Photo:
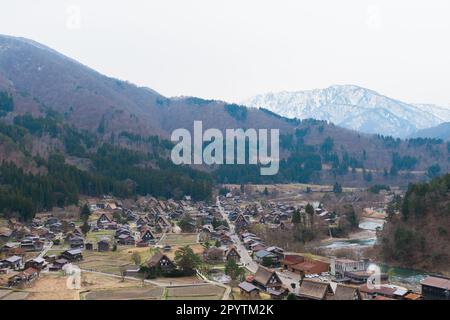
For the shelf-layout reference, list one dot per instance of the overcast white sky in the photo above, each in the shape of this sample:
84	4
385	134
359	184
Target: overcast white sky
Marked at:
233	49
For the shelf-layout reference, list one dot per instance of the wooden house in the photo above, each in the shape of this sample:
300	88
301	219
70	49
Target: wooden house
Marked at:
344	292
161	262
13	262
25	277
104	219
232	254
103	245
248	290
313	290
147	236
267	278
435	288
58	264
37	263
126	240
72	255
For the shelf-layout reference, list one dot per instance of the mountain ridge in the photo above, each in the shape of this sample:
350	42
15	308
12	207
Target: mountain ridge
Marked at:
42	83
352	107
441	131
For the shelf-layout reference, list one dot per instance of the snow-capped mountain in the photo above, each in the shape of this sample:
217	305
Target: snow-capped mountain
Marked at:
355	108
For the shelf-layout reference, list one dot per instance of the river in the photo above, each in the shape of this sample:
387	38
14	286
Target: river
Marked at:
409	278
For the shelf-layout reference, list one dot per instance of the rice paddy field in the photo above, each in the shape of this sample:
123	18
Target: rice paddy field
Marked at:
143	293
201	292
113	261
179	239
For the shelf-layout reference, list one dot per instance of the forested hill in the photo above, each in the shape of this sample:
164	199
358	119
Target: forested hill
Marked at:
111	134
47	163
419	235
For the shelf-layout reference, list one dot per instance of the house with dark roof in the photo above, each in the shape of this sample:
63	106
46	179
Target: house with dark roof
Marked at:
248	290
13	262
267	278
435	288
126	240
76	242
106	221
161	262
37	263
58	264
31	244
142	221
103	245
241	222
72	255
147	236
232	254
225	240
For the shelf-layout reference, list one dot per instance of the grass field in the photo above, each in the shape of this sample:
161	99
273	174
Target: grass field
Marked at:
202	292
197	248
52	286
179	239
112	261
236	294
138	293
94	237
15	296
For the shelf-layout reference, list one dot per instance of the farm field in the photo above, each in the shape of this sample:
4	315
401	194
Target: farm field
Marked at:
197	248
142	293
94	237
180	239
179	281
112	261
54	286
202	292
236	293
13	295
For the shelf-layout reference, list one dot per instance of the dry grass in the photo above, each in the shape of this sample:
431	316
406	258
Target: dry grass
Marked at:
16	296
203	292
94	237
179	239
54	286
197	248
236	294
146	293
112	261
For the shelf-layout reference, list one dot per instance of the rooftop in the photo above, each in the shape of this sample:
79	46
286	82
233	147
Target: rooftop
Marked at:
442	283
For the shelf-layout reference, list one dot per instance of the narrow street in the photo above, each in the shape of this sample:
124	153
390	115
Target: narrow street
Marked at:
246	259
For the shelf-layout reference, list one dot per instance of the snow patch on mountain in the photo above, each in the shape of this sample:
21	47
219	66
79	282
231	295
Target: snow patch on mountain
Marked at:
355	108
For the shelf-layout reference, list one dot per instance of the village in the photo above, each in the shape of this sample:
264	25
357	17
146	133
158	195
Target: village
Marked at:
152	249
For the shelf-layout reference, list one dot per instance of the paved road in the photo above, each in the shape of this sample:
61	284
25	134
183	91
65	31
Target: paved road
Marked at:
246	259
